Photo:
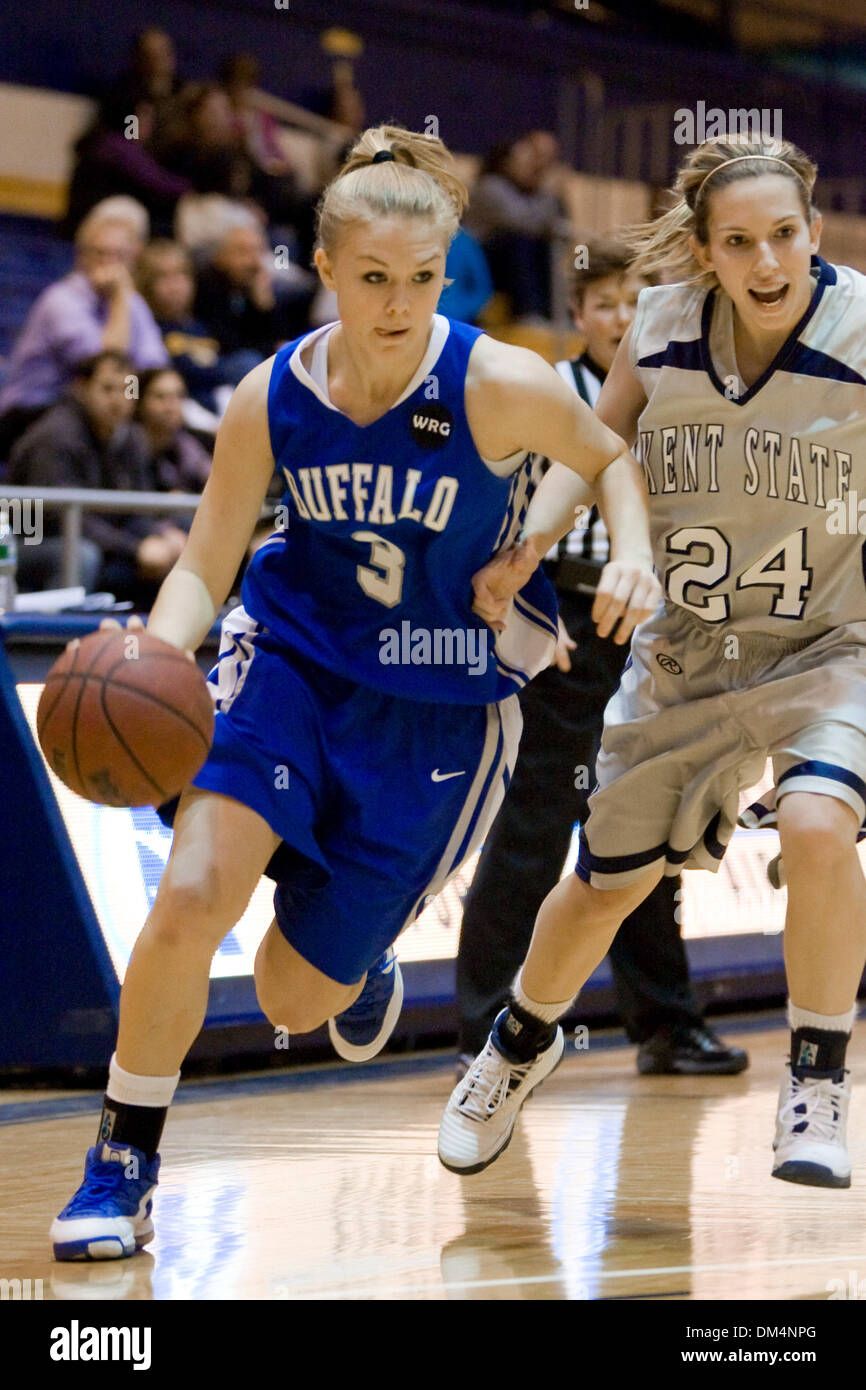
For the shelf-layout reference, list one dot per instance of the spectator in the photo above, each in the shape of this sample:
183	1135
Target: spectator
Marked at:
151	75
346	106
167	281
93	308
87	440
471	286
199	142
179	461
120	207
203	219
341	101
238	303
516	220
273	182
113	157
258	130
545	149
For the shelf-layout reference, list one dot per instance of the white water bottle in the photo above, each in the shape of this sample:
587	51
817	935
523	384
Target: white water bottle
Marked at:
8	561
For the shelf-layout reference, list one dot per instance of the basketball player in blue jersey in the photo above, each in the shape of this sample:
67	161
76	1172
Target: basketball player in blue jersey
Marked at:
746	385
367	719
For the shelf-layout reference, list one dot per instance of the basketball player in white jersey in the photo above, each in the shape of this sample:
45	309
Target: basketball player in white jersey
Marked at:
562	710
746	385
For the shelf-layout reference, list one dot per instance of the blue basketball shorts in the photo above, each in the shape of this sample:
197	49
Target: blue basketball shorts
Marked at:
378	800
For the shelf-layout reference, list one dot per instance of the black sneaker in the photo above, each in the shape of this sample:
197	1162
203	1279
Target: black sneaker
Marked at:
683	1049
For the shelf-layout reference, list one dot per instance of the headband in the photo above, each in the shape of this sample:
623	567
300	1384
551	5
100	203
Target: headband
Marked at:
774	159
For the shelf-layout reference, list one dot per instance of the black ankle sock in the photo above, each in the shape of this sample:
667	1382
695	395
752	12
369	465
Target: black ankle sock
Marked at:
138	1125
818	1053
519	1035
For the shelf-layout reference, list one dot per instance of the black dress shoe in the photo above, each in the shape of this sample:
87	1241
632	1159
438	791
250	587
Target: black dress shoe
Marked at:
683	1049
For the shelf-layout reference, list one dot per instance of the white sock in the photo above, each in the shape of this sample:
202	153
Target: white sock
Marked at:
830	1023
548	1013
128	1089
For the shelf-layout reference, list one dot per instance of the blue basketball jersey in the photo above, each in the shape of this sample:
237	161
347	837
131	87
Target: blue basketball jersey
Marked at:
387	525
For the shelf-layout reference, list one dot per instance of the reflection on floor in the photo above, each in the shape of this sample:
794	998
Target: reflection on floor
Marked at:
314	1186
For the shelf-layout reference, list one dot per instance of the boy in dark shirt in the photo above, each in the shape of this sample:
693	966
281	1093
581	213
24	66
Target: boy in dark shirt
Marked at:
88	440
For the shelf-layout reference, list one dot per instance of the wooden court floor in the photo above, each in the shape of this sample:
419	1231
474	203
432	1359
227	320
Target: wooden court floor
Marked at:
319	1185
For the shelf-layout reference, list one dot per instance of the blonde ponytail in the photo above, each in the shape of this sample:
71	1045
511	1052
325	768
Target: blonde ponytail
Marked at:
420	180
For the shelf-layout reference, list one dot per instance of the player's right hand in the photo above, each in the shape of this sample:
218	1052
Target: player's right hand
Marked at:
627	594
495	585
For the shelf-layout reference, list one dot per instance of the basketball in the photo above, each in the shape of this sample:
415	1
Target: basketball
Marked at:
125	719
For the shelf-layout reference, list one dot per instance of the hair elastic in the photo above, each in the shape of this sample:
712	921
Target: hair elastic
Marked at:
381	156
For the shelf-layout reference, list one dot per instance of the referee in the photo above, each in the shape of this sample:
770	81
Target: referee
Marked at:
524	854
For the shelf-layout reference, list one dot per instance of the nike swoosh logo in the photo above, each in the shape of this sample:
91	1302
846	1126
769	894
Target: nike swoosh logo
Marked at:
437	776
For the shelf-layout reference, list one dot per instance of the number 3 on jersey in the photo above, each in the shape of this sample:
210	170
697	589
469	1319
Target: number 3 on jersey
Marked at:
782	568
382	579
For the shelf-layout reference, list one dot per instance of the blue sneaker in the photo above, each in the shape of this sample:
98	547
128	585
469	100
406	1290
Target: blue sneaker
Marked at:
109	1216
363	1029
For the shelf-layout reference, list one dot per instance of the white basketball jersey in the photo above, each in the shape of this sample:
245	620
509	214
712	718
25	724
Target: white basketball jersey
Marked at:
754	492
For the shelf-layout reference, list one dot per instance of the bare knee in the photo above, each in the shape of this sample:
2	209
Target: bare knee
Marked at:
284	1009
194	905
817	833
604	905
287	1003
291	992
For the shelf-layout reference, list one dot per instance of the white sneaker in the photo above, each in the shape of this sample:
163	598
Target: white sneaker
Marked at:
810	1132
481	1114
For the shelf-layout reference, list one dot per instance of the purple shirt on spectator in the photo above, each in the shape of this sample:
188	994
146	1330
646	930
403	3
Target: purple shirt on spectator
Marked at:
65	325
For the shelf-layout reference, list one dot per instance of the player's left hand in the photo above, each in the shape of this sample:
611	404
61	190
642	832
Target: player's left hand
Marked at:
500	579
627	594
133	624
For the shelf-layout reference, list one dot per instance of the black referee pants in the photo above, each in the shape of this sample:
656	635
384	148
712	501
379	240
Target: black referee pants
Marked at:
524	854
